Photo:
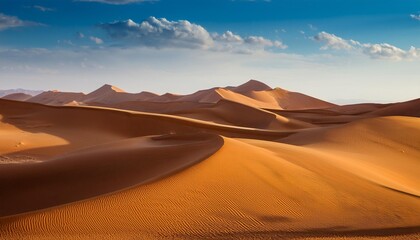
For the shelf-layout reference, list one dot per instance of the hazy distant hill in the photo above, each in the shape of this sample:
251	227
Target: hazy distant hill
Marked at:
19	90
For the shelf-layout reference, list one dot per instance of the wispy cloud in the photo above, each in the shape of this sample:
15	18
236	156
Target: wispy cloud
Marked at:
117	2
162	33
373	50
96	40
80	35
7	21
332	41
260	42
415	17
43	9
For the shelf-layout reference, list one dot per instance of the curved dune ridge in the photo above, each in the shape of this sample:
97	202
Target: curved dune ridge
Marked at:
223	112
252	93
99	170
132	168
245	190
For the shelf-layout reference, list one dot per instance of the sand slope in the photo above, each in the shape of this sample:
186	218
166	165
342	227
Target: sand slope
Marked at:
209	170
56	98
222	112
252	93
249	189
99	170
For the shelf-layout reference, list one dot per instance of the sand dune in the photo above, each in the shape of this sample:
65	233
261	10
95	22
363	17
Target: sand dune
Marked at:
249	189
56	98
283	99
99	170
108	94
246	162
387	139
251	85
222	112
345	114
252	93
409	108
226	112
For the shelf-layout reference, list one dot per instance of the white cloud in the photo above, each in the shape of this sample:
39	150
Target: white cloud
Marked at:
252	41
117	2
161	33
375	51
332	41
312	27
96	40
416	17
228	36
65	42
162	70
43	9
387	51
260	41
12	22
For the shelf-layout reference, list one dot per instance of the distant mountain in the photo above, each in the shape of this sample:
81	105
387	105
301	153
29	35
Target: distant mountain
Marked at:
19	90
252	93
57	98
251	85
109	94
17	97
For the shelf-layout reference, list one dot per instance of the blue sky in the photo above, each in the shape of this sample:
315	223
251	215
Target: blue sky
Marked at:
344	51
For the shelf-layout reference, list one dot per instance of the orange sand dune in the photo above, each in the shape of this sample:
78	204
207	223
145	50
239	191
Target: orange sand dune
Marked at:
251	85
237	114
409	108
240	167
348	113
98	170
256	94
249	189
222	112
392	141
360	108
156	107
56	98
283	99
252	93
108	94
74	120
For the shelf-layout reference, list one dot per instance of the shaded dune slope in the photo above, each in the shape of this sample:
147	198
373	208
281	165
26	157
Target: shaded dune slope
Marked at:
383	150
56	98
99	170
222	112
249	189
118	123
252	93
86	172
348	113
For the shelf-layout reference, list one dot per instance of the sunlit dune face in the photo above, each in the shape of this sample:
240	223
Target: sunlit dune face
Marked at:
15	141
244	162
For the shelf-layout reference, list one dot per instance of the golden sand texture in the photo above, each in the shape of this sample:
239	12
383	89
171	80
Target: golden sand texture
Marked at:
225	170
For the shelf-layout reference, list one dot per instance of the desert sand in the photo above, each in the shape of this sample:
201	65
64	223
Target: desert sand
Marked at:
245	162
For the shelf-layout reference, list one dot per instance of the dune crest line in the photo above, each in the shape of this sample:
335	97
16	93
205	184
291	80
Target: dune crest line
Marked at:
100	170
